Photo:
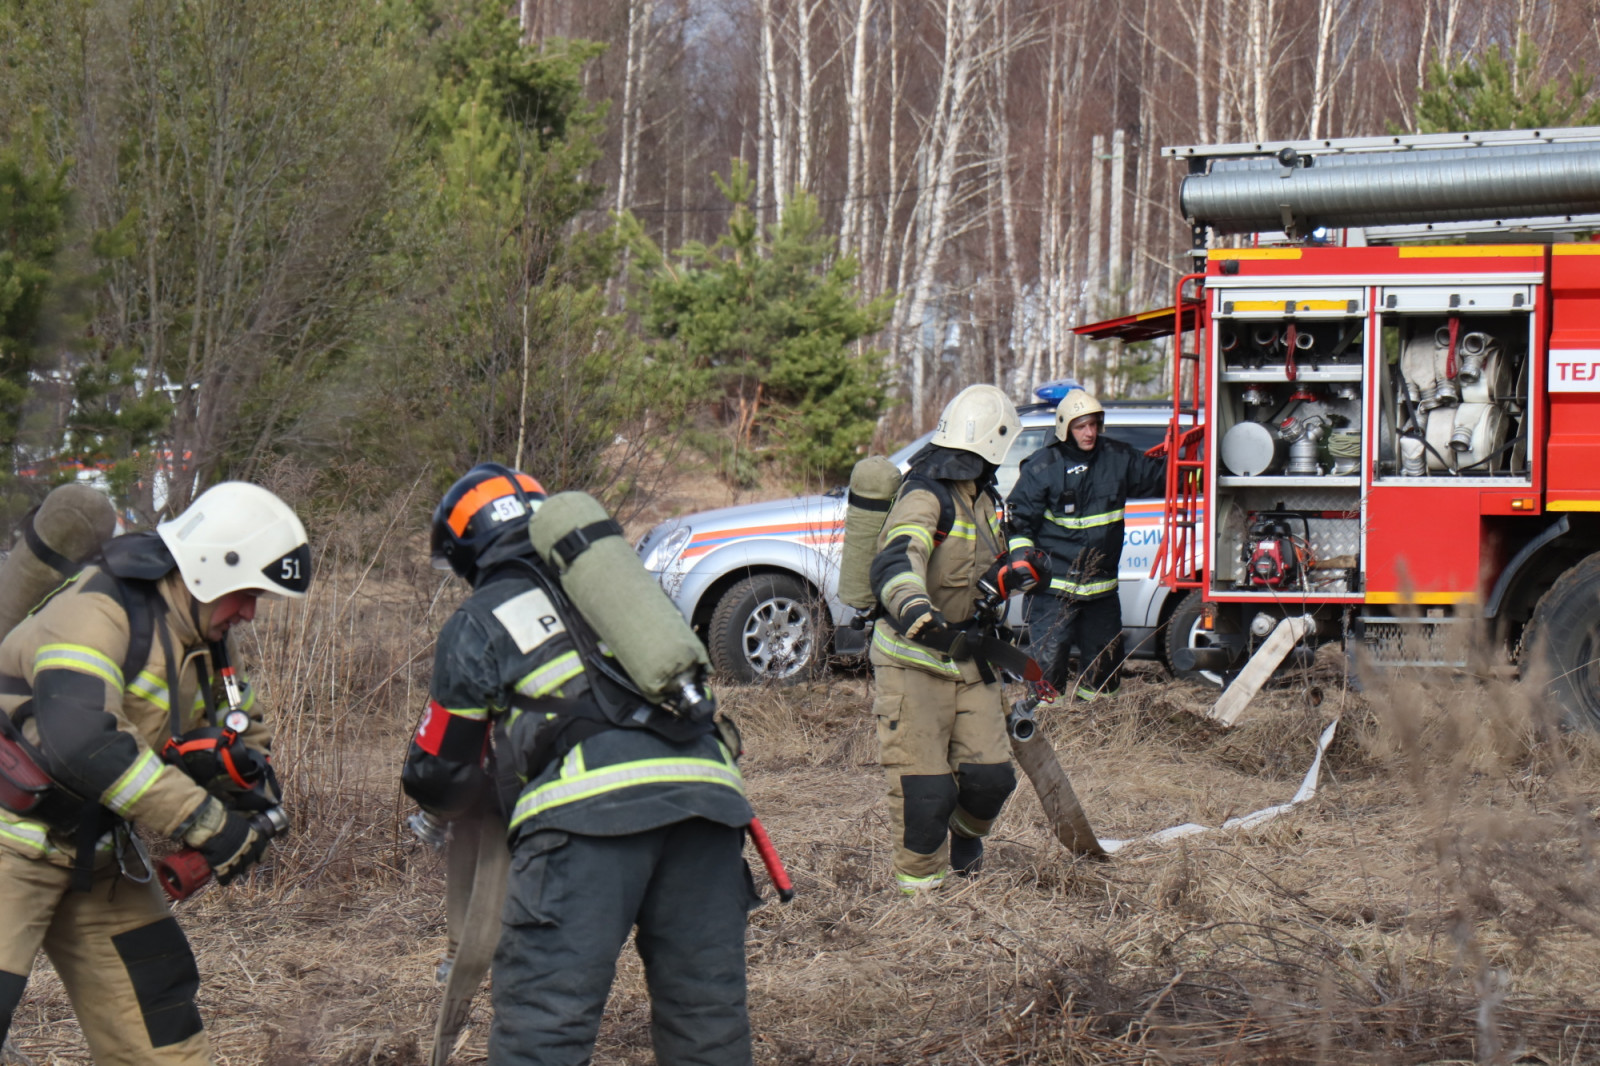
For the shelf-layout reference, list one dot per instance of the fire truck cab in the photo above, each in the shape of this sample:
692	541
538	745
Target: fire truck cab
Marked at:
1400	431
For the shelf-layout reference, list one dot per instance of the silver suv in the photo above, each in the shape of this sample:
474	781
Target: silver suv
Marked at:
754	580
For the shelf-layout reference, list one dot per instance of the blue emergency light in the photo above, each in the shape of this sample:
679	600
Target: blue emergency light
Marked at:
1053	392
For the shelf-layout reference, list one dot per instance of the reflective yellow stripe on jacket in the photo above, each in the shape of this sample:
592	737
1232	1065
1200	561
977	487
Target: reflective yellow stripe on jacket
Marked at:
575	782
904	651
127	789
551	676
33	838
1088	521
1090	588
78	657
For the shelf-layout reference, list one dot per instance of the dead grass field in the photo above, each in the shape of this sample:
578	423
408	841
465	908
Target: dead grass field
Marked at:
1438	901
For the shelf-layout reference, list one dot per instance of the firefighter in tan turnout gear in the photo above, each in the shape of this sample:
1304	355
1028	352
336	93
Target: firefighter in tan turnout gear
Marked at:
110	689
941	717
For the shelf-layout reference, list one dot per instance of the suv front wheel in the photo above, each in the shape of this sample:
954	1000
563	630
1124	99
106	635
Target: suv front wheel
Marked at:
769	627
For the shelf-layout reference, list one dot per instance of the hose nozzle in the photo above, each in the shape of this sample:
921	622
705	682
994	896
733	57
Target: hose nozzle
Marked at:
431	830
1021	723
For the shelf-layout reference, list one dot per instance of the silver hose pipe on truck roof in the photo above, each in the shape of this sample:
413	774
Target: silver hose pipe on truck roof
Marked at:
1457	185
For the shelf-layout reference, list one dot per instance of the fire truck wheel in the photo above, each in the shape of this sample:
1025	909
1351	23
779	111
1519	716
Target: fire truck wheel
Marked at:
1564	638
1184	631
769	627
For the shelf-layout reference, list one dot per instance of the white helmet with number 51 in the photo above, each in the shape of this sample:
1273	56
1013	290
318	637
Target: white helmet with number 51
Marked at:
238	536
981	419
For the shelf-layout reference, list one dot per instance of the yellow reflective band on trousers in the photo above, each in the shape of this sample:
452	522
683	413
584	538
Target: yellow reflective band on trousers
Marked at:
133	783
83	659
551	676
912	885
1092	588
898	648
1088	521
910	529
583	784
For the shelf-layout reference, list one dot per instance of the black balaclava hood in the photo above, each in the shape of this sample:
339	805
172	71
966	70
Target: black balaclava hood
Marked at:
953	464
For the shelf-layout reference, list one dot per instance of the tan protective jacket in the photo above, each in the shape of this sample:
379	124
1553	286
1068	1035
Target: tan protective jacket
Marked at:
946	571
101	732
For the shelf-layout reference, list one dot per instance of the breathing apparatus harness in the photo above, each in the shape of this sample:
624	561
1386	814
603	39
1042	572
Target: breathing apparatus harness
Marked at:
614	701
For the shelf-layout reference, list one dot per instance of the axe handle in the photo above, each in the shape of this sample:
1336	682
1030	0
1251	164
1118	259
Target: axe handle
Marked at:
770	859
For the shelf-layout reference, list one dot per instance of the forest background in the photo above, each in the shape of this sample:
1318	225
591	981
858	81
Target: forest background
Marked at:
374	243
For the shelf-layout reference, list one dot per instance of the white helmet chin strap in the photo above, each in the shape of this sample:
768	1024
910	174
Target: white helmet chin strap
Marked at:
239	536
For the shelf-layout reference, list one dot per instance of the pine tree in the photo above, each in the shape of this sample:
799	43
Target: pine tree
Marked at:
770	322
1497	93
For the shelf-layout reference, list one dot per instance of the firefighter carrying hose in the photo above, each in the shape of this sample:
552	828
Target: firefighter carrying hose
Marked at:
940	712
1068	500
624	811
108	693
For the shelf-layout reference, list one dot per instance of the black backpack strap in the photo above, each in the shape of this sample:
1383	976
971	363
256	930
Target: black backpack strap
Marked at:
941	492
136	599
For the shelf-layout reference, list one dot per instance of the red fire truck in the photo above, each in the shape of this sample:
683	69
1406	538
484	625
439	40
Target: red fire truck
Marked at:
1400	392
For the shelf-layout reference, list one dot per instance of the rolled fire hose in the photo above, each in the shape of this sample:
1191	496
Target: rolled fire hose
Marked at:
478	864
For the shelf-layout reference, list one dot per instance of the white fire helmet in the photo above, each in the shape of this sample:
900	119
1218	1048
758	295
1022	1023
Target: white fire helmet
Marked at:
1075	404
980	419
239	536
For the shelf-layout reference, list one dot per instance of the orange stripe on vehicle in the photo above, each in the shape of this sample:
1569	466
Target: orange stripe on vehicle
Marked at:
492	489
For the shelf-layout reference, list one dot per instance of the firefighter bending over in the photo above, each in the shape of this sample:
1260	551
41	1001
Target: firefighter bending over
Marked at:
941	716
1068	500
622	814
108	688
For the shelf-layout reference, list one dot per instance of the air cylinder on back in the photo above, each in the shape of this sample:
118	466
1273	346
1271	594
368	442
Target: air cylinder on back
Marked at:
616	595
873	483
68	527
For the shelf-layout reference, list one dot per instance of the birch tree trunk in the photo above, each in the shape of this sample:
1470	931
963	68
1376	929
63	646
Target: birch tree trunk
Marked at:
941	147
857	154
639	16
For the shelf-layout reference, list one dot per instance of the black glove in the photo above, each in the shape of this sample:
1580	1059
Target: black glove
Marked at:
921	621
234	848
1022	570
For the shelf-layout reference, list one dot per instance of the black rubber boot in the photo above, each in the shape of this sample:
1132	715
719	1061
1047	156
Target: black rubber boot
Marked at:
966	854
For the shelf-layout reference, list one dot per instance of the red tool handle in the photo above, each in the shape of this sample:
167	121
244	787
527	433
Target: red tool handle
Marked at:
769	859
182	874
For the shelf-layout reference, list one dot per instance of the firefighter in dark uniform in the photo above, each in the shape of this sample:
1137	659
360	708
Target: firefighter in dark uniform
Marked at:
614	825
941	715
104	730
1069	500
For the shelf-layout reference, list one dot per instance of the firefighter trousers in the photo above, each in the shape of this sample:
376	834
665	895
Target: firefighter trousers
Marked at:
125	963
1057	624
571	902
944	750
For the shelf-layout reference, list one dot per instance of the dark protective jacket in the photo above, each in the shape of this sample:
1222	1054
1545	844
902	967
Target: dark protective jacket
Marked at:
510	662
101	732
1069	502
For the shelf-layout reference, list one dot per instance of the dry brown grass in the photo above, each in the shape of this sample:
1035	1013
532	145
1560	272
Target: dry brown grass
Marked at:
1438	901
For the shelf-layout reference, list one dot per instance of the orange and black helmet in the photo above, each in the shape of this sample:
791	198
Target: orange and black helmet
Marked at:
487	509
